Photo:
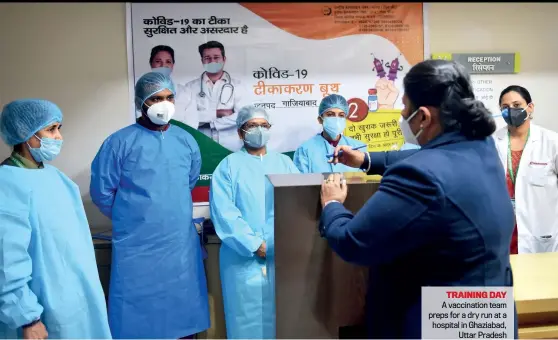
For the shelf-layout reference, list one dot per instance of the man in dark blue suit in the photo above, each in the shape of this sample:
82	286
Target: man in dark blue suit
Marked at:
442	214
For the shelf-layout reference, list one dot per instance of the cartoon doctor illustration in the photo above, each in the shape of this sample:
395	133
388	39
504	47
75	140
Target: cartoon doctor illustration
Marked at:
212	100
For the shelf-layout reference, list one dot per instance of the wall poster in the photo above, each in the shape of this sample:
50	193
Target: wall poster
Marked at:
284	57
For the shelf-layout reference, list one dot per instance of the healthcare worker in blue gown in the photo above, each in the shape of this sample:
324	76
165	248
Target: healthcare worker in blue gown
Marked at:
442	214
311	156
142	179
49	283
242	215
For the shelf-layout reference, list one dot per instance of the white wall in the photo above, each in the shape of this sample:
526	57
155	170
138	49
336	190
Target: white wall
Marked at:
75	55
527	28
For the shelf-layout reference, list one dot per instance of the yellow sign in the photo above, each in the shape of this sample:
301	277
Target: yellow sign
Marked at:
379	130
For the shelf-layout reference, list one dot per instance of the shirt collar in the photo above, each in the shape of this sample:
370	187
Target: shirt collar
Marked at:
534	133
26	163
334	143
209	82
243	149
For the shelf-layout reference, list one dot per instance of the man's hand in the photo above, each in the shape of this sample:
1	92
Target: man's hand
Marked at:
224	113
349	157
261	250
36	332
334	188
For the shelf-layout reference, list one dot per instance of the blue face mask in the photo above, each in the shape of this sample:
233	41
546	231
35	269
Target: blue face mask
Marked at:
50	148
163	70
256	137
334	126
213	67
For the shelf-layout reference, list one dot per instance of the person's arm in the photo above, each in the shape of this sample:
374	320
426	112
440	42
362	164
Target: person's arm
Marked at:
227	219
270	201
377	162
19	306
195	166
225	123
105	176
388	224
300	159
228	122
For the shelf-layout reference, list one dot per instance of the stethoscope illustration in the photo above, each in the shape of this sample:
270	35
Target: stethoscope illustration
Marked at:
227	85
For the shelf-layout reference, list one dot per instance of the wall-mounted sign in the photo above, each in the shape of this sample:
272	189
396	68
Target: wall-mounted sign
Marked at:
484	63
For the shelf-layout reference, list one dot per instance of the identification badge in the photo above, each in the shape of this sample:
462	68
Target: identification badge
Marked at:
264	271
513	205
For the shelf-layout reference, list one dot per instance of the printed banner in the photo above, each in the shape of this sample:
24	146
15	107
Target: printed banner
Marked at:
284	57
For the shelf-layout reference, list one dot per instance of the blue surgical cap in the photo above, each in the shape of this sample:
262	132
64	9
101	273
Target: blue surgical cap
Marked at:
251	112
333	101
151	83
23	118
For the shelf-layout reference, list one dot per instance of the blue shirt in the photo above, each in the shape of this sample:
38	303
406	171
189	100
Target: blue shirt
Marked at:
311	156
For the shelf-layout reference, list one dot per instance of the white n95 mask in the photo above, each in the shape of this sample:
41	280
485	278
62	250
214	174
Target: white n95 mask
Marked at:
161	113
408	134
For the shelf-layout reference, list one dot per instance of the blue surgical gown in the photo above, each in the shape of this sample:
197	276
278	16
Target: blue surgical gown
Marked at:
47	260
311	156
243	220
143	179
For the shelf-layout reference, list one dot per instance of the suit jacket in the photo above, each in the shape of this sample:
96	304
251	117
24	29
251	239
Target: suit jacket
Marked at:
442	217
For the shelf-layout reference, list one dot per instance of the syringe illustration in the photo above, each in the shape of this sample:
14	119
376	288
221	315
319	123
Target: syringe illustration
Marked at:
378	67
394	67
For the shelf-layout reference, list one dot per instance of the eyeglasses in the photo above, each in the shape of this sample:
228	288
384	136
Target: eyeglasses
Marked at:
253	126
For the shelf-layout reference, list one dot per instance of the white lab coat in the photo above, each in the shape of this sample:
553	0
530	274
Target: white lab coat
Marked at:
193	109
536	189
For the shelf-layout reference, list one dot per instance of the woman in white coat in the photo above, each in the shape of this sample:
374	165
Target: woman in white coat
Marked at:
529	155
